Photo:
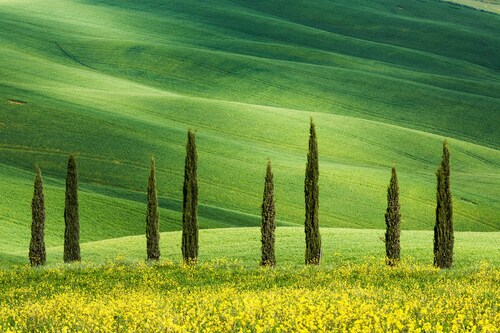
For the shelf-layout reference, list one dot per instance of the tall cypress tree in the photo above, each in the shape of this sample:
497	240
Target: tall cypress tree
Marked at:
268	220
72	230
152	217
392	221
443	230
190	204
311	191
37	245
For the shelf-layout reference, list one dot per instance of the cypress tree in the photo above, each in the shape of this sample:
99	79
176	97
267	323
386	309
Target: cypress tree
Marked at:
72	224
190	204
392	221
443	230
152	217
311	191
268	220
37	245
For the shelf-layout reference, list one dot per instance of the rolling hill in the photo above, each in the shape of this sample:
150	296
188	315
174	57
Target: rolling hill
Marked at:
117	81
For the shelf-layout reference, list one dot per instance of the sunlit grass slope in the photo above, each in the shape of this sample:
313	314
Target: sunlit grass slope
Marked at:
487	5
118	81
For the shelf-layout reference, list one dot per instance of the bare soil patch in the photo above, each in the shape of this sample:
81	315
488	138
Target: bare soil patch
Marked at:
17	102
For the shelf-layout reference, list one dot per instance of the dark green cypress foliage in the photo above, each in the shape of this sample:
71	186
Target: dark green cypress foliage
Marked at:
72	230
392	221
443	230
37	245
190	204
152	217
311	191
268	220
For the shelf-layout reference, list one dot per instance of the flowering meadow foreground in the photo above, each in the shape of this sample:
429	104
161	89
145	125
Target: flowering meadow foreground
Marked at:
227	296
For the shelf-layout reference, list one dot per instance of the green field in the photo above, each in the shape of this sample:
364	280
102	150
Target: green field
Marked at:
118	81
339	246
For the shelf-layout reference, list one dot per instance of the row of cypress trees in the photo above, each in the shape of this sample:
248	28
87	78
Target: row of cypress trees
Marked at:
189	208
37	253
443	230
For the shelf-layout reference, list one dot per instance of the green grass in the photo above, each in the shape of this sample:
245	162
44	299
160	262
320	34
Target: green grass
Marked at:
339	246
118	81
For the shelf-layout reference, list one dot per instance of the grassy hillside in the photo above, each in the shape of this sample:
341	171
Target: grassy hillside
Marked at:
118	81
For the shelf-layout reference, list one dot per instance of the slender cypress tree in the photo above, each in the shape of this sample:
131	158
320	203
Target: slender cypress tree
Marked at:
152	217
190	204
311	191
268	220
72	230
443	230
392	221
37	245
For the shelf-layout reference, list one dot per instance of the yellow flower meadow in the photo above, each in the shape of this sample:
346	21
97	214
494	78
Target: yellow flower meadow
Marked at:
228	297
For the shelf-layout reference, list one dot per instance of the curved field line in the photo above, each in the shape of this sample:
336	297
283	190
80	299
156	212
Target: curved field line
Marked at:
66	53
